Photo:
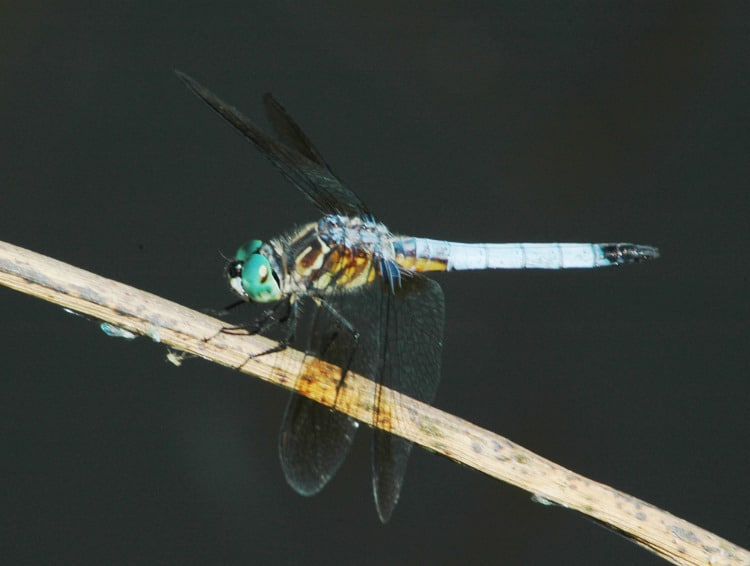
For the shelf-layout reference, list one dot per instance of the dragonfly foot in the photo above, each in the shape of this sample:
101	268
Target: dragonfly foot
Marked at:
240	330
281	346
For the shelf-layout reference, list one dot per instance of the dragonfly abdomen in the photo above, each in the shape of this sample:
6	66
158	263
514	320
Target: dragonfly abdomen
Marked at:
423	254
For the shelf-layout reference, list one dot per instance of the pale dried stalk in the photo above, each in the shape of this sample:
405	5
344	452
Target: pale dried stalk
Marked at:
183	329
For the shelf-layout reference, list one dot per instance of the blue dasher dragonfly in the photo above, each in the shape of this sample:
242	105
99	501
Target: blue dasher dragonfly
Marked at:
368	308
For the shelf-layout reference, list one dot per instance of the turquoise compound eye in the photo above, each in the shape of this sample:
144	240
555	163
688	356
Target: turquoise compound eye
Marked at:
258	280
248	249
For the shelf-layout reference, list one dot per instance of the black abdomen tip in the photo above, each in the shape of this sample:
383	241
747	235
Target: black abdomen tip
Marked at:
619	254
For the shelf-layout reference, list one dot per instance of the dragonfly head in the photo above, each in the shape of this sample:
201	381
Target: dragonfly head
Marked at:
251	275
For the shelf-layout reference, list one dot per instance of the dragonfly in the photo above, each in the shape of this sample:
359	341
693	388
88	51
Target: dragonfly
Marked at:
368	307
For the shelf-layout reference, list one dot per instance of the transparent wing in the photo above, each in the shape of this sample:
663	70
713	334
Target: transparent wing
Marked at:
411	341
289	132
313	443
315	440
400	346
301	163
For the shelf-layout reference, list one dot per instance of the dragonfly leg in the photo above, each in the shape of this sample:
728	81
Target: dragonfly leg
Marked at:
268	321
270	318
291	332
224	311
349	328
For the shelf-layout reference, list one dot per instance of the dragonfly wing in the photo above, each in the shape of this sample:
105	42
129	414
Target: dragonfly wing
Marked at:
289	132
313	443
412	320
301	164
400	345
314	439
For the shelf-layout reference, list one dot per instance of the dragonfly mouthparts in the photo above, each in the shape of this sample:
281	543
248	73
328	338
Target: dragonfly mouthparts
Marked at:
619	254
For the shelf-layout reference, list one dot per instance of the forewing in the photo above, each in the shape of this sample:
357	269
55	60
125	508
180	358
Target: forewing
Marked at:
301	163
314	439
289	132
313	443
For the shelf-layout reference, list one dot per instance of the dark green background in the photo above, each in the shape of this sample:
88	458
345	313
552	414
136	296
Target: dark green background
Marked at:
625	121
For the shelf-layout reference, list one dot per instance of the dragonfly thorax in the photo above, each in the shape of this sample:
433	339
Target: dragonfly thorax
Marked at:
335	255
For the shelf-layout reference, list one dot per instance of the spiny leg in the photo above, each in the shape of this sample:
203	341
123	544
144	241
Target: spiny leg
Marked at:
223	312
349	328
282	312
265	321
